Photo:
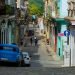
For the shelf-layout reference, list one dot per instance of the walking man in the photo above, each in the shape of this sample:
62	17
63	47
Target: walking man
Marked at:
36	40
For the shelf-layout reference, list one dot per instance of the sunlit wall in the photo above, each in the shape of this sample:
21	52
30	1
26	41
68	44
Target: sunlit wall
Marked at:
63	6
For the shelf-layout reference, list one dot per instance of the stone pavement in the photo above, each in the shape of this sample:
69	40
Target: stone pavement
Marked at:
41	57
57	58
36	71
50	50
52	53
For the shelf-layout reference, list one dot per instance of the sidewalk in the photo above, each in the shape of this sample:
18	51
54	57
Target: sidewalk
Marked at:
50	50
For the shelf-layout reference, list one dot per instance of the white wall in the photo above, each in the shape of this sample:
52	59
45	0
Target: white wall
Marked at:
18	3
40	23
72	45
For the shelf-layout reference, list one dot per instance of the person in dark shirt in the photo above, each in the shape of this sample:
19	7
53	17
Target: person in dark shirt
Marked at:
31	40
36	40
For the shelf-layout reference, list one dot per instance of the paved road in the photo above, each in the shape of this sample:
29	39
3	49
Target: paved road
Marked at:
40	56
36	71
42	63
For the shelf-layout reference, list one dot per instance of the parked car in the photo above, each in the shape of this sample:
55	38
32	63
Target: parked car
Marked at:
10	53
14	43
26	58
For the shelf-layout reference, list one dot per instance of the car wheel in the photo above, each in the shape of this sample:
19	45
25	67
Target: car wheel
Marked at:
22	63
19	64
28	65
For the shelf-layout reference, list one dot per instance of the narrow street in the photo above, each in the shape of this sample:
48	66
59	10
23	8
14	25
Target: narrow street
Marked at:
37	37
41	57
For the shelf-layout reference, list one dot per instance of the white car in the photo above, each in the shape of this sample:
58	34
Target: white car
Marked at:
26	58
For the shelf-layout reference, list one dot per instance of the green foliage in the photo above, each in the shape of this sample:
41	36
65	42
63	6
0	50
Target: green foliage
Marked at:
36	7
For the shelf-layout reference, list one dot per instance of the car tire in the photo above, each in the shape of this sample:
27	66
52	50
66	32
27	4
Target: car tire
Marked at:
28	65
19	64
22	63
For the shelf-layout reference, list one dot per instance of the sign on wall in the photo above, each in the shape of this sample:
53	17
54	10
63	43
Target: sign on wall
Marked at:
60	34
67	33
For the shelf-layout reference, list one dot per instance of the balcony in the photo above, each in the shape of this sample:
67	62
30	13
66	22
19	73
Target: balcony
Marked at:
7	10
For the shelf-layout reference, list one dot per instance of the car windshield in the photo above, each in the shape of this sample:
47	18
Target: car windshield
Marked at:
25	54
7	48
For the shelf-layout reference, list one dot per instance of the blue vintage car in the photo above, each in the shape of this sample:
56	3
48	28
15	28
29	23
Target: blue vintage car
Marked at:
10	53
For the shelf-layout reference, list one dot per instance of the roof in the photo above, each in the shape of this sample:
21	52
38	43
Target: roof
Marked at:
25	52
9	45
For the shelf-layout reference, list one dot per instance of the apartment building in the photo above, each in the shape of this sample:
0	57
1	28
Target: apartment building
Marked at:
7	21
71	18
71	8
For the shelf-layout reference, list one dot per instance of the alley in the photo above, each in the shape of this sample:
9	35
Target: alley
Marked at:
37	37
40	56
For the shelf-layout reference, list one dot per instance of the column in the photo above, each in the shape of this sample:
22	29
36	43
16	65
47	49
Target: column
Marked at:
3	36
9	34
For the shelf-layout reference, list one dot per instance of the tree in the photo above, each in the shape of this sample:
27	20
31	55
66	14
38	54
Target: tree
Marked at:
36	7
33	9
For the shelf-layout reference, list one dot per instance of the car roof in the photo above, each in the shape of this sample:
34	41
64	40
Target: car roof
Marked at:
25	52
9	45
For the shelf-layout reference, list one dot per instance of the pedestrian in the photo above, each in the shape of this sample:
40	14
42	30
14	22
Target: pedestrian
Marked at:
31	40
36	40
21	43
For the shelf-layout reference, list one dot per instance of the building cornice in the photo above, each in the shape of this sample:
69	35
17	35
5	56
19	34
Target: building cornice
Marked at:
70	18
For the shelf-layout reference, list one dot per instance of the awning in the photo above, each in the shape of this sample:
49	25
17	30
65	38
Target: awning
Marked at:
60	21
